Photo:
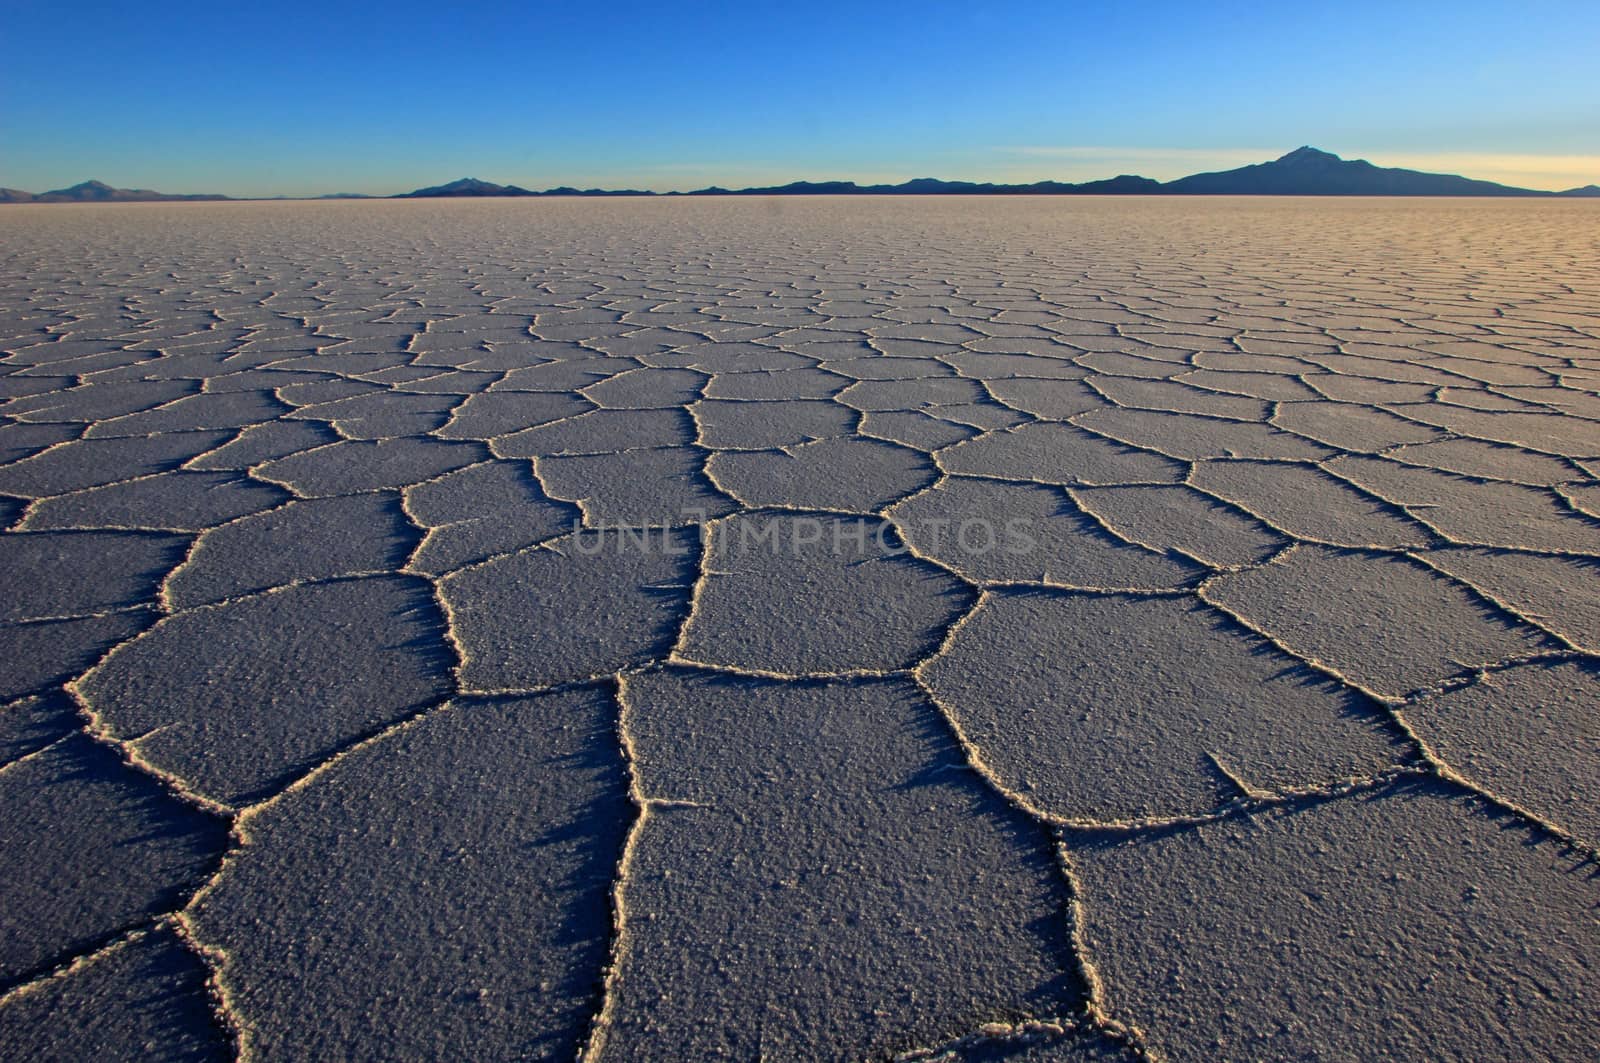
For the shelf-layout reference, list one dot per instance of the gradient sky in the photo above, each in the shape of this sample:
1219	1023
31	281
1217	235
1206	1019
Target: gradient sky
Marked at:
301	98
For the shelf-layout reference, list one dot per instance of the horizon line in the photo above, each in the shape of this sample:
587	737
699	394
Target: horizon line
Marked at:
1532	172
1224	160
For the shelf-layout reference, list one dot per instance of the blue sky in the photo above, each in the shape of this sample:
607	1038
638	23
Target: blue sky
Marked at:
301	98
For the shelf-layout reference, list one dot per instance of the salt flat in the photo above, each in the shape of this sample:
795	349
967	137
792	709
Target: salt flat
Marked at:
801	629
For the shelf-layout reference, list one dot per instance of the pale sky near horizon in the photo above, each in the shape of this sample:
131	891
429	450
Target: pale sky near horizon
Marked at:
301	98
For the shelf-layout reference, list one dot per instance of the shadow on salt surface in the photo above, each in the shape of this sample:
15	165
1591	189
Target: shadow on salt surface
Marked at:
1394	923
93	848
446	888
826	874
239	699
137	997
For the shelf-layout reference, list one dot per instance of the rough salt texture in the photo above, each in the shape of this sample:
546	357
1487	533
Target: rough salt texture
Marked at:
483	928
1409	926
971	629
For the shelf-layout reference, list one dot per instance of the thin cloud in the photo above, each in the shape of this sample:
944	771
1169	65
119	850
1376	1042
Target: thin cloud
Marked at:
1551	172
1099	152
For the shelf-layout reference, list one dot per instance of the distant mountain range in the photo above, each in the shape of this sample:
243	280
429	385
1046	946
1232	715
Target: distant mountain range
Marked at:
471	186
98	192
1125	185
1303	172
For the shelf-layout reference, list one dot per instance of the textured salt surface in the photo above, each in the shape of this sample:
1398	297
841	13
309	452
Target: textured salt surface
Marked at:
965	630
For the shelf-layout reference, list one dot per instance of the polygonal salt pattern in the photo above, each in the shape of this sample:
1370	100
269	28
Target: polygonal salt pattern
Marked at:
982	630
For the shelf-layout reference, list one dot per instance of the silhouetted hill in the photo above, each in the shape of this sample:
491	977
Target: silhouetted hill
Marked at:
1586	190
100	192
933	186
466	186
1309	172
15	195
1124	185
567	190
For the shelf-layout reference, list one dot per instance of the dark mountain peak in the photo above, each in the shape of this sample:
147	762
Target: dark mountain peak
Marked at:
465	186
1126	184
100	192
1307	155
1308	171
86	190
1585	191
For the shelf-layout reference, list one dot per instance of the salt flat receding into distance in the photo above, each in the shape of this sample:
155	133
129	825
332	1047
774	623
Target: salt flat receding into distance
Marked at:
803	629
